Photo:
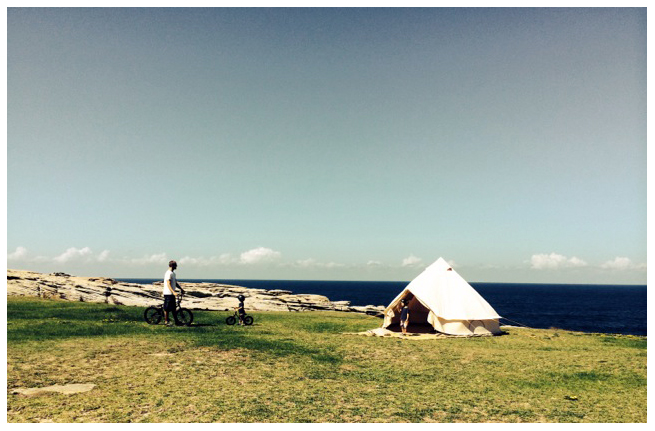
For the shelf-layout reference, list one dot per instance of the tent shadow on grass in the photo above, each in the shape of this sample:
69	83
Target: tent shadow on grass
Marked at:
413	328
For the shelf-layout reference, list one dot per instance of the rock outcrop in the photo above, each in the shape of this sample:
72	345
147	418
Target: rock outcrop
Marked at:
199	296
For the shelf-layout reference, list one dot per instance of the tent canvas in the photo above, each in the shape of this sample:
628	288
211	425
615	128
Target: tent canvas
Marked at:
440	297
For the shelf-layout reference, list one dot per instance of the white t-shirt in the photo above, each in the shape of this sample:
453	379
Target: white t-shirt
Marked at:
170	275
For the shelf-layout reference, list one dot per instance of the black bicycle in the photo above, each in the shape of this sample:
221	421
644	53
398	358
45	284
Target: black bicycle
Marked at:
182	316
231	320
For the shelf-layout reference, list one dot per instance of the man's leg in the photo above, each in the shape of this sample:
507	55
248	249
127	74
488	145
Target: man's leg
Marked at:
165	316
177	322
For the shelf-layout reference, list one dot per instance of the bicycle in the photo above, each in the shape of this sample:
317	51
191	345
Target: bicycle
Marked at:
183	316
231	320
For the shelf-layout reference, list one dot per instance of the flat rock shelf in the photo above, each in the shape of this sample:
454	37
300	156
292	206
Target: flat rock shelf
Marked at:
199	296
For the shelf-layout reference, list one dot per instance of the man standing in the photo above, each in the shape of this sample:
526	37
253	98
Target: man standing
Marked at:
170	294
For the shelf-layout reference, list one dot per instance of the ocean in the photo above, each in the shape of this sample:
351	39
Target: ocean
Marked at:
615	309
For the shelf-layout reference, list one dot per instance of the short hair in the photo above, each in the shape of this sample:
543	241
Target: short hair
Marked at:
171	263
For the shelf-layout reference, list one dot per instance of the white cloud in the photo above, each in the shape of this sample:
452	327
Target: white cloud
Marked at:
373	263
223	259
555	261
412	261
306	263
73	254
622	264
20	253
158	259
313	263
104	256
547	261
193	261
259	255
576	262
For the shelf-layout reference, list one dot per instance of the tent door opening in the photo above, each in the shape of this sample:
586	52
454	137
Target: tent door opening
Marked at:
418	317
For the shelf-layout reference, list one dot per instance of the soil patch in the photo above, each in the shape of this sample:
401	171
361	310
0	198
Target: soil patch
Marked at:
74	388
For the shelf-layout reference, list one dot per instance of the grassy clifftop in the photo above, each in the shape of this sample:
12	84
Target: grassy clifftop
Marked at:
299	367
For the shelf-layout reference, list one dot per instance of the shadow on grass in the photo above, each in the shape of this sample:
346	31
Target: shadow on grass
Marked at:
229	340
635	343
40	309
579	380
42	320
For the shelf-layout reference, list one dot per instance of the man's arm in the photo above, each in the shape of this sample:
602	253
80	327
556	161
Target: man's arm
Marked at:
171	287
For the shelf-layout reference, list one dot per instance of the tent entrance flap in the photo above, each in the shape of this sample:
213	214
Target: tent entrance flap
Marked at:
418	313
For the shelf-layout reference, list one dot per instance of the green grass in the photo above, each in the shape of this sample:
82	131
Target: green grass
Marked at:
299	367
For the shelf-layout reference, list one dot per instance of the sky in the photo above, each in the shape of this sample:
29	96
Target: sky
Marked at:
333	144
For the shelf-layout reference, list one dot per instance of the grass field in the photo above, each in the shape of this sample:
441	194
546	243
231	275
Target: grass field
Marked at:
299	367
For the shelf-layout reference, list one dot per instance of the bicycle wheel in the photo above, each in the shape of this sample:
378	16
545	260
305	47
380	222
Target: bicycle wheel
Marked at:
152	315
231	320
248	320
184	316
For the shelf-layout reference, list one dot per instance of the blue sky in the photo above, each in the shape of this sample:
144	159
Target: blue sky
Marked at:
328	143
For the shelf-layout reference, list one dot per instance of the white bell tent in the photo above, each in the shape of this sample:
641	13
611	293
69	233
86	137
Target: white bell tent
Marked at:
440	297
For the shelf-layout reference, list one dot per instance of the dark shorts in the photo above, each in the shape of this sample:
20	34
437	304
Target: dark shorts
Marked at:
169	302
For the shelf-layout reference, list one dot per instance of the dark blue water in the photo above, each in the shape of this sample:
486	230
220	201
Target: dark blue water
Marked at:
575	307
